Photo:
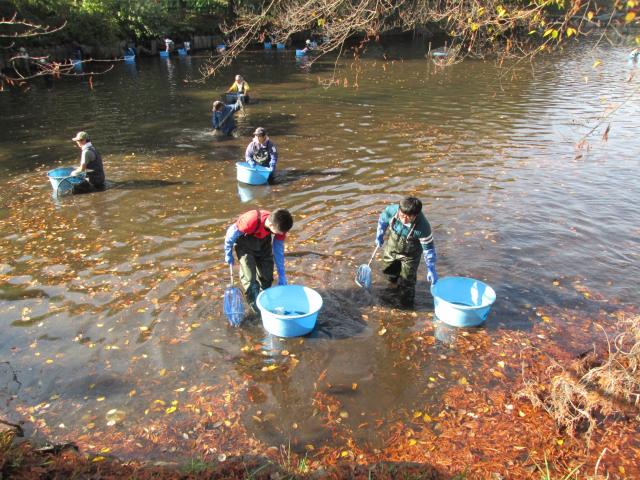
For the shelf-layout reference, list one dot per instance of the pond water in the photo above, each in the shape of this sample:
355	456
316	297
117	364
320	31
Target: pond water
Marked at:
112	301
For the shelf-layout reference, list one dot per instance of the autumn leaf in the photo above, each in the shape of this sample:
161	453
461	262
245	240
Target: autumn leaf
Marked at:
629	17
605	135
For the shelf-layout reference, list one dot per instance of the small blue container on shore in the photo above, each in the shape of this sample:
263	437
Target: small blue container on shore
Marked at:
252	175
164	54
280	46
182	52
289	310
267	45
300	53
462	301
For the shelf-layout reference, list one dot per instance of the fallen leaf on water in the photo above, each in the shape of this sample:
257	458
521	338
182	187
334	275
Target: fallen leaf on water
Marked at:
382	331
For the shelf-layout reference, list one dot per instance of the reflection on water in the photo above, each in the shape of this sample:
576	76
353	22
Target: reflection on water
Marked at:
107	294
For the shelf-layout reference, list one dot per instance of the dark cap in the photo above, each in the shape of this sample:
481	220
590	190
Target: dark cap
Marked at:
260	131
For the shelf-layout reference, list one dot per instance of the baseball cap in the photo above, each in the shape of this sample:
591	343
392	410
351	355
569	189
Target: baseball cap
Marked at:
80	136
260	131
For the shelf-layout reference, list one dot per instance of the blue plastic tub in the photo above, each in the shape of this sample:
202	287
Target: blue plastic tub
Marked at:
61	180
130	58
289	311
252	175
233	97
462	301
300	53
267	45
280	46
164	54
221	48
182	51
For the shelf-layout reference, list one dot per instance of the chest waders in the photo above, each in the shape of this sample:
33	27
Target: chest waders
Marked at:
261	156
401	259
255	256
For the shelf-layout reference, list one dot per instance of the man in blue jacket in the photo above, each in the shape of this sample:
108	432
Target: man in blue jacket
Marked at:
410	238
222	118
261	151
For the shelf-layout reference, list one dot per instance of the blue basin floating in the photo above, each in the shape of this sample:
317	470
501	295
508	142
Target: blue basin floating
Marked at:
164	54
267	45
300	53
280	46
252	175
62	181
289	310
230	97
182	51
462	301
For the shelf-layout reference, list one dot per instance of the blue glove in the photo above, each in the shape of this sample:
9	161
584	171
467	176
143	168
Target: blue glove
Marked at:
432	275
278	256
251	163
233	233
382	227
430	259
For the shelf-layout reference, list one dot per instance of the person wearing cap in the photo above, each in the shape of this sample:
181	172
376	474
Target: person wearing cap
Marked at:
222	118
90	163
308	46
251	235
240	87
261	151
410	238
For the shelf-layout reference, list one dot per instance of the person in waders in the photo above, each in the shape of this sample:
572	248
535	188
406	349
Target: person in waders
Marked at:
251	234
222	118
90	163
409	239
241	87
261	151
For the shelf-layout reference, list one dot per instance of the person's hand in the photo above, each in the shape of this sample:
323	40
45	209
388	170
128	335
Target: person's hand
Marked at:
282	280
228	258
76	172
432	275
251	163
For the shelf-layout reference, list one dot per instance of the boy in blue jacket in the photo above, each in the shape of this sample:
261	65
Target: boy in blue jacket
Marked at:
222	118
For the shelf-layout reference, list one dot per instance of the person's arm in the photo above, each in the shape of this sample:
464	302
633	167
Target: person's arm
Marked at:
215	120
246	87
273	156
84	161
233	233
278	256
429	255
383	224
248	155
233	88
236	106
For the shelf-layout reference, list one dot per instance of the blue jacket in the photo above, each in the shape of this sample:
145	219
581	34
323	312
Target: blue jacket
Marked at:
223	119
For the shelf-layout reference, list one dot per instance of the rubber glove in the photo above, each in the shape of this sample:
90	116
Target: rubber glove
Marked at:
251	162
382	227
278	256
430	259
233	233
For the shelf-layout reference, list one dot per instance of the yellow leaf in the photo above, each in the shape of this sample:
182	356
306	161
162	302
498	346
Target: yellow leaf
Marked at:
338	252
163	372
170	410
631	4
589	16
412	442
622	470
597	63
382	331
501	364
99	458
571	31
344	453
463	381
629	16
269	368
426	418
354	386
521	413
417	414
546	319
